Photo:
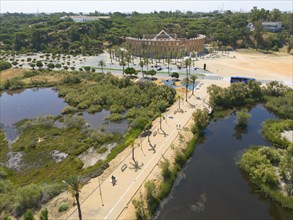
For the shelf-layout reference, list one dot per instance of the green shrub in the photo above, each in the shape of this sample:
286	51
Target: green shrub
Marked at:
272	130
242	118
44	214
63	207
13	84
102	150
28	215
114	117
71	79
5	65
28	197
68	110
94	108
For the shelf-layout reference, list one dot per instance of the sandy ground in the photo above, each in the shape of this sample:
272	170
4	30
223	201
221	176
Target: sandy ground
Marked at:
251	64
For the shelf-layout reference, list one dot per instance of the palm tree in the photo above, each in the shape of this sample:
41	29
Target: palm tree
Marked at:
193	56
179	97
110	53
102	64
141	65
193	79
187	64
168	61
74	186
146	61
128	59
186	88
123	64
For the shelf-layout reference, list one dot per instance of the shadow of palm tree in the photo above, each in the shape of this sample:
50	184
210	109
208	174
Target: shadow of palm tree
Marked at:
135	166
153	148
191	105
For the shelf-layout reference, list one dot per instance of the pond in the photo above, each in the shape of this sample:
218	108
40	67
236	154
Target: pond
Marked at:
211	186
28	103
31	103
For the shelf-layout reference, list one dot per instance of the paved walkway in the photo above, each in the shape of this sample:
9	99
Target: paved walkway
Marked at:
108	201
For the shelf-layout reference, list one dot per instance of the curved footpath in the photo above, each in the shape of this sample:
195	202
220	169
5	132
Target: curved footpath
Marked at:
115	198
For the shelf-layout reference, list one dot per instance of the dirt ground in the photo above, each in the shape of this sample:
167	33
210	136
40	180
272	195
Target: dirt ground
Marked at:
250	63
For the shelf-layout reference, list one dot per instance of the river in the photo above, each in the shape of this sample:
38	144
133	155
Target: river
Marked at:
211	186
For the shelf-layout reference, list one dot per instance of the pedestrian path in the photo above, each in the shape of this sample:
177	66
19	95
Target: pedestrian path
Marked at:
106	200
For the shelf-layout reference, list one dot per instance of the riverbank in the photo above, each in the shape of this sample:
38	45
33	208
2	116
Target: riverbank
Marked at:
131	179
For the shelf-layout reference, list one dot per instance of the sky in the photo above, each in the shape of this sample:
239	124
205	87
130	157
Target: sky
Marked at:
76	6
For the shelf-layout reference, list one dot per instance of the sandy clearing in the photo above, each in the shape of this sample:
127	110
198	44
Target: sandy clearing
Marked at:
256	65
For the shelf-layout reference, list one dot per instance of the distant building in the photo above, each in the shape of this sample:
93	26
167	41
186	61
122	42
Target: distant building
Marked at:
250	26
268	25
272	26
83	18
164	44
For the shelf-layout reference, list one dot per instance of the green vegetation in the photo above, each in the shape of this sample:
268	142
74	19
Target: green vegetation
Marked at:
242	118
49	33
3	148
4	65
267	167
272	130
237	95
40	141
63	207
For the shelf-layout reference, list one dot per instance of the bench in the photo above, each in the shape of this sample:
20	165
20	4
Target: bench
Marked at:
124	166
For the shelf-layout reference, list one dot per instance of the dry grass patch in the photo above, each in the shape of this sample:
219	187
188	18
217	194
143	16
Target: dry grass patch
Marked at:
48	78
11	73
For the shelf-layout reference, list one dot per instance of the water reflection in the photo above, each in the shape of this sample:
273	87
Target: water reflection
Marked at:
29	103
214	187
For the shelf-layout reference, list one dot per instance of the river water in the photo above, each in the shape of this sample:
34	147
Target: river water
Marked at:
211	186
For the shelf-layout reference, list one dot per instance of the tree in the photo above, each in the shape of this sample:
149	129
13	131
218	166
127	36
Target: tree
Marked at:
128	59
123	64
179	97
187	64
193	55
44	214
74	186
201	119
141	66
168	61
32	65
39	64
258	35
130	71
193	79
58	65
102	64
175	75
87	68
152	73
186	88
51	66
28	215
242	118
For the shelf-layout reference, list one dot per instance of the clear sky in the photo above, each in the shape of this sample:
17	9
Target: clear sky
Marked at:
86	6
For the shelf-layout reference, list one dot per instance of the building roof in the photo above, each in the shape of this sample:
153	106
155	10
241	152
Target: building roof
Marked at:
162	34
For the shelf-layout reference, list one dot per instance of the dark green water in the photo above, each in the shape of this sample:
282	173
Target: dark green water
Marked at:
212	187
